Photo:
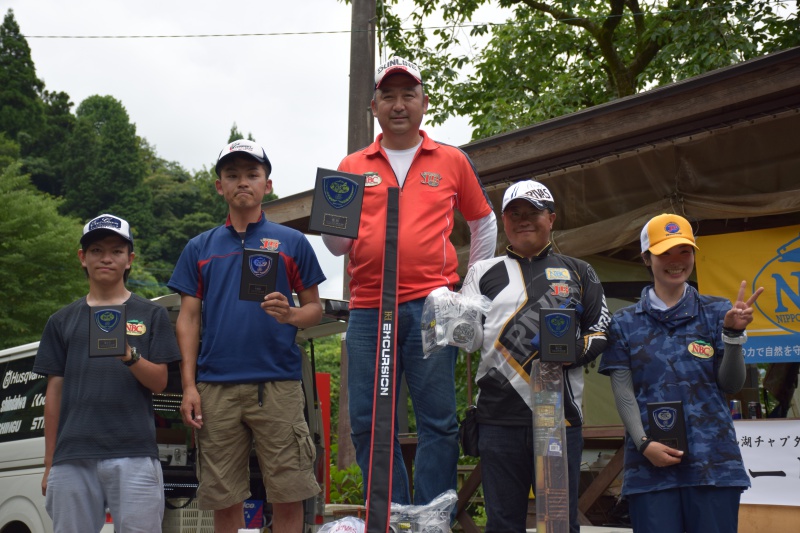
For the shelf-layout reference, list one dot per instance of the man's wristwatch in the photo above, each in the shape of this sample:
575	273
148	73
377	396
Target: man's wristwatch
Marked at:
135	356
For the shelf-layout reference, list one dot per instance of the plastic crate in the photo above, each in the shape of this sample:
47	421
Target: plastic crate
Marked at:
188	519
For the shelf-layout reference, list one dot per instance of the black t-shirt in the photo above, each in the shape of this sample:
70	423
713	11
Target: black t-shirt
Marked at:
105	411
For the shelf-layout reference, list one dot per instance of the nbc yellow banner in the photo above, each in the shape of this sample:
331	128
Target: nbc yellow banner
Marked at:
765	258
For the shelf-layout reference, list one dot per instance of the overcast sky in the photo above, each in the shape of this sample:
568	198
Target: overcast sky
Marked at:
288	89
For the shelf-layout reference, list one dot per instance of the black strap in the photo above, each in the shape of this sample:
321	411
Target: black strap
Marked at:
379	482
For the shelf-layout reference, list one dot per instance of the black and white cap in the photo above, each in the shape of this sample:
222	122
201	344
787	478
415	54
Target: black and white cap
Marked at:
242	146
534	192
107	223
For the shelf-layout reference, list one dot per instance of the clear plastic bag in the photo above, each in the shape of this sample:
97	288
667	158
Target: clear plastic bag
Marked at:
431	518
348	524
452	319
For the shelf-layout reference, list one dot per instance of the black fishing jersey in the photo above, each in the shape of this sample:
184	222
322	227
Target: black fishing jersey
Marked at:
518	287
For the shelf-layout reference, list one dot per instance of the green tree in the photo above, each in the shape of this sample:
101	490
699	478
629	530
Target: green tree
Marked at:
143	280
105	169
236	134
210	202
182	207
9	151
45	161
553	58
22	113
38	259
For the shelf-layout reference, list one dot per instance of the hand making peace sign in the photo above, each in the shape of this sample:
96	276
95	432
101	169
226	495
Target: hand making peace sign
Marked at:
741	314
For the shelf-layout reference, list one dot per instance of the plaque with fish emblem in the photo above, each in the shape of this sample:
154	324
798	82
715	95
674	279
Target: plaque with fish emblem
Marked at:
557	335
107	329
259	274
667	424
336	208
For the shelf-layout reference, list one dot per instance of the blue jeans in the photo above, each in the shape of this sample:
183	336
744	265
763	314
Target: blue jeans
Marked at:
507	469
704	509
431	385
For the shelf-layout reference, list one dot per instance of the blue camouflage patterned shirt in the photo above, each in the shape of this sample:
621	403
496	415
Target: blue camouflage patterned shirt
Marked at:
675	355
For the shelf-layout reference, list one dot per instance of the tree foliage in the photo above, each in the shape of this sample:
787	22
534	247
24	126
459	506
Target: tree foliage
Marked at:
39	264
87	162
105	171
22	113
554	58
45	160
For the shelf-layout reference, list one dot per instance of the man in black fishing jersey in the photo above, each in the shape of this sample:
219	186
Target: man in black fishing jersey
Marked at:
528	277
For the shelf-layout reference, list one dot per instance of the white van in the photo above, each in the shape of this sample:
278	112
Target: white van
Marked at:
22	395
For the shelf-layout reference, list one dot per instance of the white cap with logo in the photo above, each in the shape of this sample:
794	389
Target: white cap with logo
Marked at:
397	65
242	146
532	191
106	223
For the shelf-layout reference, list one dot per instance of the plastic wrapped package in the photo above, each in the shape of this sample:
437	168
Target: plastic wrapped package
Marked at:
452	319
348	524
431	518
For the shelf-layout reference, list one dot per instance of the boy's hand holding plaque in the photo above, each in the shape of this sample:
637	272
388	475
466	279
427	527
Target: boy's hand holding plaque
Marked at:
107	329
336	208
259	274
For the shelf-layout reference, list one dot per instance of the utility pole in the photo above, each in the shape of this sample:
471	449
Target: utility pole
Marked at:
360	132
362	75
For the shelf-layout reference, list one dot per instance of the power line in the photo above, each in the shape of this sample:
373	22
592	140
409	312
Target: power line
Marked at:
510	22
194	36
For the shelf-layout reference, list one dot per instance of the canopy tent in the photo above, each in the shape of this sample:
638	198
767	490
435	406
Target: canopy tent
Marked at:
722	148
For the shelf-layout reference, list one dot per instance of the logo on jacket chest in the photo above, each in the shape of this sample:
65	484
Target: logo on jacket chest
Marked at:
701	349
431	178
371	179
558	274
135	328
559	290
270	244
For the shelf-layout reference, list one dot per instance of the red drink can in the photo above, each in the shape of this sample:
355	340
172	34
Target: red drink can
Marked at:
736	409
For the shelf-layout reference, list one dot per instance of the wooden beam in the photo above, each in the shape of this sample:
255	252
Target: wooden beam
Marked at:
718	97
606	476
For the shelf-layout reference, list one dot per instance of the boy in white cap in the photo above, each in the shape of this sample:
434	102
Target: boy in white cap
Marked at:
528	277
676	345
100	443
242	384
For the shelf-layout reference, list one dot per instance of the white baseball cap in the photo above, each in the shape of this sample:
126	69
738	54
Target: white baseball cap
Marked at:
533	191
242	146
397	65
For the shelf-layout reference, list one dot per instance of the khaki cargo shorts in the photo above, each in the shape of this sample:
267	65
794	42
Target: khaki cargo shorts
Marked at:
233	423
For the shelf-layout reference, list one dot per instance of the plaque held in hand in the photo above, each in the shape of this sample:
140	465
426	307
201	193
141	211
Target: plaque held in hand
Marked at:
557	335
667	424
336	208
259	274
107	329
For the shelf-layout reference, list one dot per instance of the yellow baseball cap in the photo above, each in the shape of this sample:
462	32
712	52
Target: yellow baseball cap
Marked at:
665	231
